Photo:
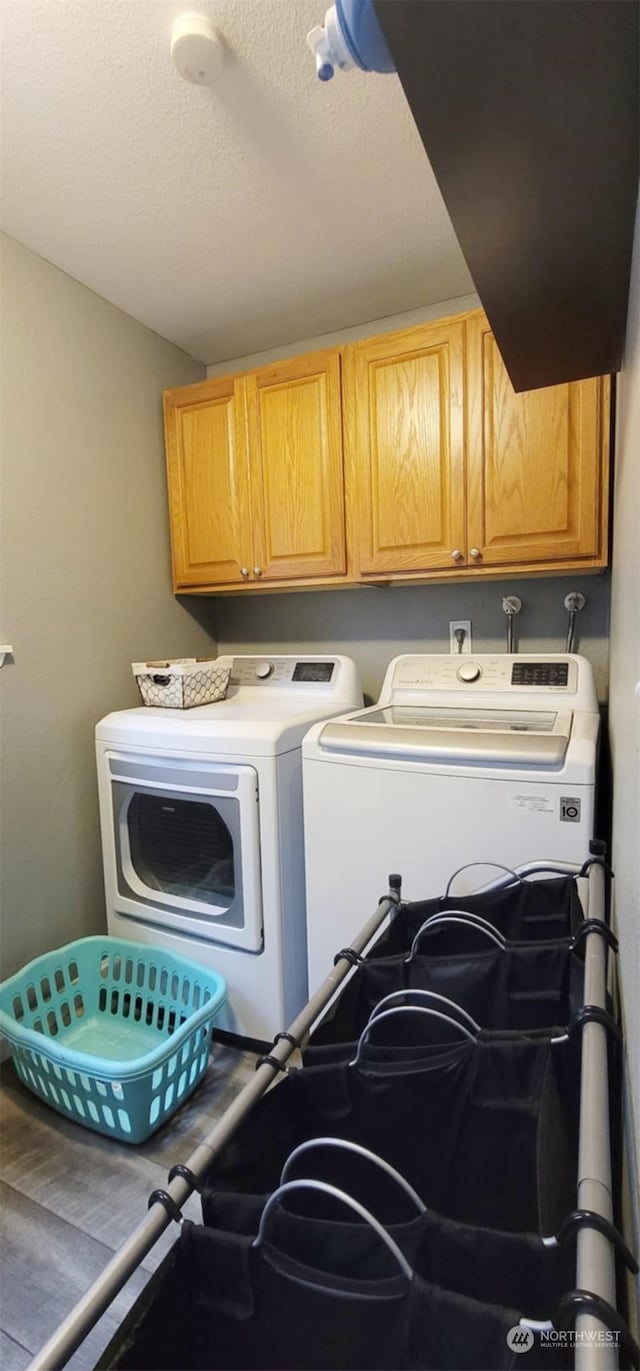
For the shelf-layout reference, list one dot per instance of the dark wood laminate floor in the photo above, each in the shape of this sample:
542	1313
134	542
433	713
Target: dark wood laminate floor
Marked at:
69	1198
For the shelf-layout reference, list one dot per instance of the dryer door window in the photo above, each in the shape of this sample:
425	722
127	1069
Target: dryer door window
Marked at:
186	847
181	847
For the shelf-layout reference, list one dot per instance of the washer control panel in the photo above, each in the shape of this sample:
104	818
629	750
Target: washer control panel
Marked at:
506	673
553	674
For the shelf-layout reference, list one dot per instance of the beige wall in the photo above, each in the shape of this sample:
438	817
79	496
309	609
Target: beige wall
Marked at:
350	335
625	702
375	624
85	578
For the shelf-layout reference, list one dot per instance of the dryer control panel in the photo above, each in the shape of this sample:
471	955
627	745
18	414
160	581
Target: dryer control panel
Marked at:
284	671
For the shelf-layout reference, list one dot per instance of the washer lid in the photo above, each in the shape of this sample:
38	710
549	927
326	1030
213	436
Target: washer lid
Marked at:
438	733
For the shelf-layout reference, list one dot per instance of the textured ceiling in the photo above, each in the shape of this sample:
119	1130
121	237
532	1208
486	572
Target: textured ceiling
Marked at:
266	209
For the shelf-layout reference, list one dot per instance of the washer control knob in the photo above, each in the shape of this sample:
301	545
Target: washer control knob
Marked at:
470	671
263	670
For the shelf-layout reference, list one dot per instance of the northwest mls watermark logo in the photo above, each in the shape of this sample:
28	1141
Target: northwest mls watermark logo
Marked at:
520	1339
579	1337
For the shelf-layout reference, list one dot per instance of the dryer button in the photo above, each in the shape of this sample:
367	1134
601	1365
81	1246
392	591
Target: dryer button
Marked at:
469	672
263	670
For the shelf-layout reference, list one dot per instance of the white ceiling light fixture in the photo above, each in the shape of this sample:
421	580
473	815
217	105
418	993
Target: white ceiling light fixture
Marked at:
197	50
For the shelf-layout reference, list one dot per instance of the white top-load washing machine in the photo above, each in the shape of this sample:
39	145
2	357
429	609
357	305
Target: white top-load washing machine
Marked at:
463	759
202	829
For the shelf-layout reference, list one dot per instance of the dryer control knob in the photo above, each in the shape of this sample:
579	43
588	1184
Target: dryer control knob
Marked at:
263	670
469	672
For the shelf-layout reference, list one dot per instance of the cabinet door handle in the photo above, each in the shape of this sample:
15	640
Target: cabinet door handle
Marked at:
456	554
244	571
475	553
257	571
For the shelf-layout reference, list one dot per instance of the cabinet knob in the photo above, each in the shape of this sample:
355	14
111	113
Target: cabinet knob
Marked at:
475	553
257	571
244	571
456	554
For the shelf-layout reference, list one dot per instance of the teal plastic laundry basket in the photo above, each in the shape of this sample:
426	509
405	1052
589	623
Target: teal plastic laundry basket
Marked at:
111	1033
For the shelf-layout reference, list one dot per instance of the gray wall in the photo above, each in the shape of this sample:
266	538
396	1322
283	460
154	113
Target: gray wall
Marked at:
625	704
85	578
375	624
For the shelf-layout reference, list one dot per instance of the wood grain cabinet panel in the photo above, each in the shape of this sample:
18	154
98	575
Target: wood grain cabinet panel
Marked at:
446	472
297	485
536	464
208	479
256	479
405	427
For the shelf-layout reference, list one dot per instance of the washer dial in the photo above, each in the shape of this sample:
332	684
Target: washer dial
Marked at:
468	672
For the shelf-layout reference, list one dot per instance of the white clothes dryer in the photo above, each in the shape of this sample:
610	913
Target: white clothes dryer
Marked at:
202	828
483	759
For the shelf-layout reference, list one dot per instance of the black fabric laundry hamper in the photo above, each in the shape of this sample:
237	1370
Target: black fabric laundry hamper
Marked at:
526	911
494	1267
218	1302
518	987
405	1048
484	1131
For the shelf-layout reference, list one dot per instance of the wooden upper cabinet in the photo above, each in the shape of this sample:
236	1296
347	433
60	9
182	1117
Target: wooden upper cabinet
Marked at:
536	465
297	485
208	479
445	470
404	427
255	471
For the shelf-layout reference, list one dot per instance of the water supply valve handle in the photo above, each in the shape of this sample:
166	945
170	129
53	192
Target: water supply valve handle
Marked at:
574	602
511	604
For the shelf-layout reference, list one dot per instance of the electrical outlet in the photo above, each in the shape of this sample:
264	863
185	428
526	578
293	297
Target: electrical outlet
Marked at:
464	626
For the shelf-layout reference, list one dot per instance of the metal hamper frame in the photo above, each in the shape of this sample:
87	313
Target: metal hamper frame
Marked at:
595	1251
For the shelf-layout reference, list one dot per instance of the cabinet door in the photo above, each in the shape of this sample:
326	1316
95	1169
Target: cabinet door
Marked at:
536	464
403	399
297	484
207	468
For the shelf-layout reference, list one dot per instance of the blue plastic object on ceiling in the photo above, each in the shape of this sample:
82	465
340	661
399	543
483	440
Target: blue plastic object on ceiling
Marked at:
363	35
351	36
